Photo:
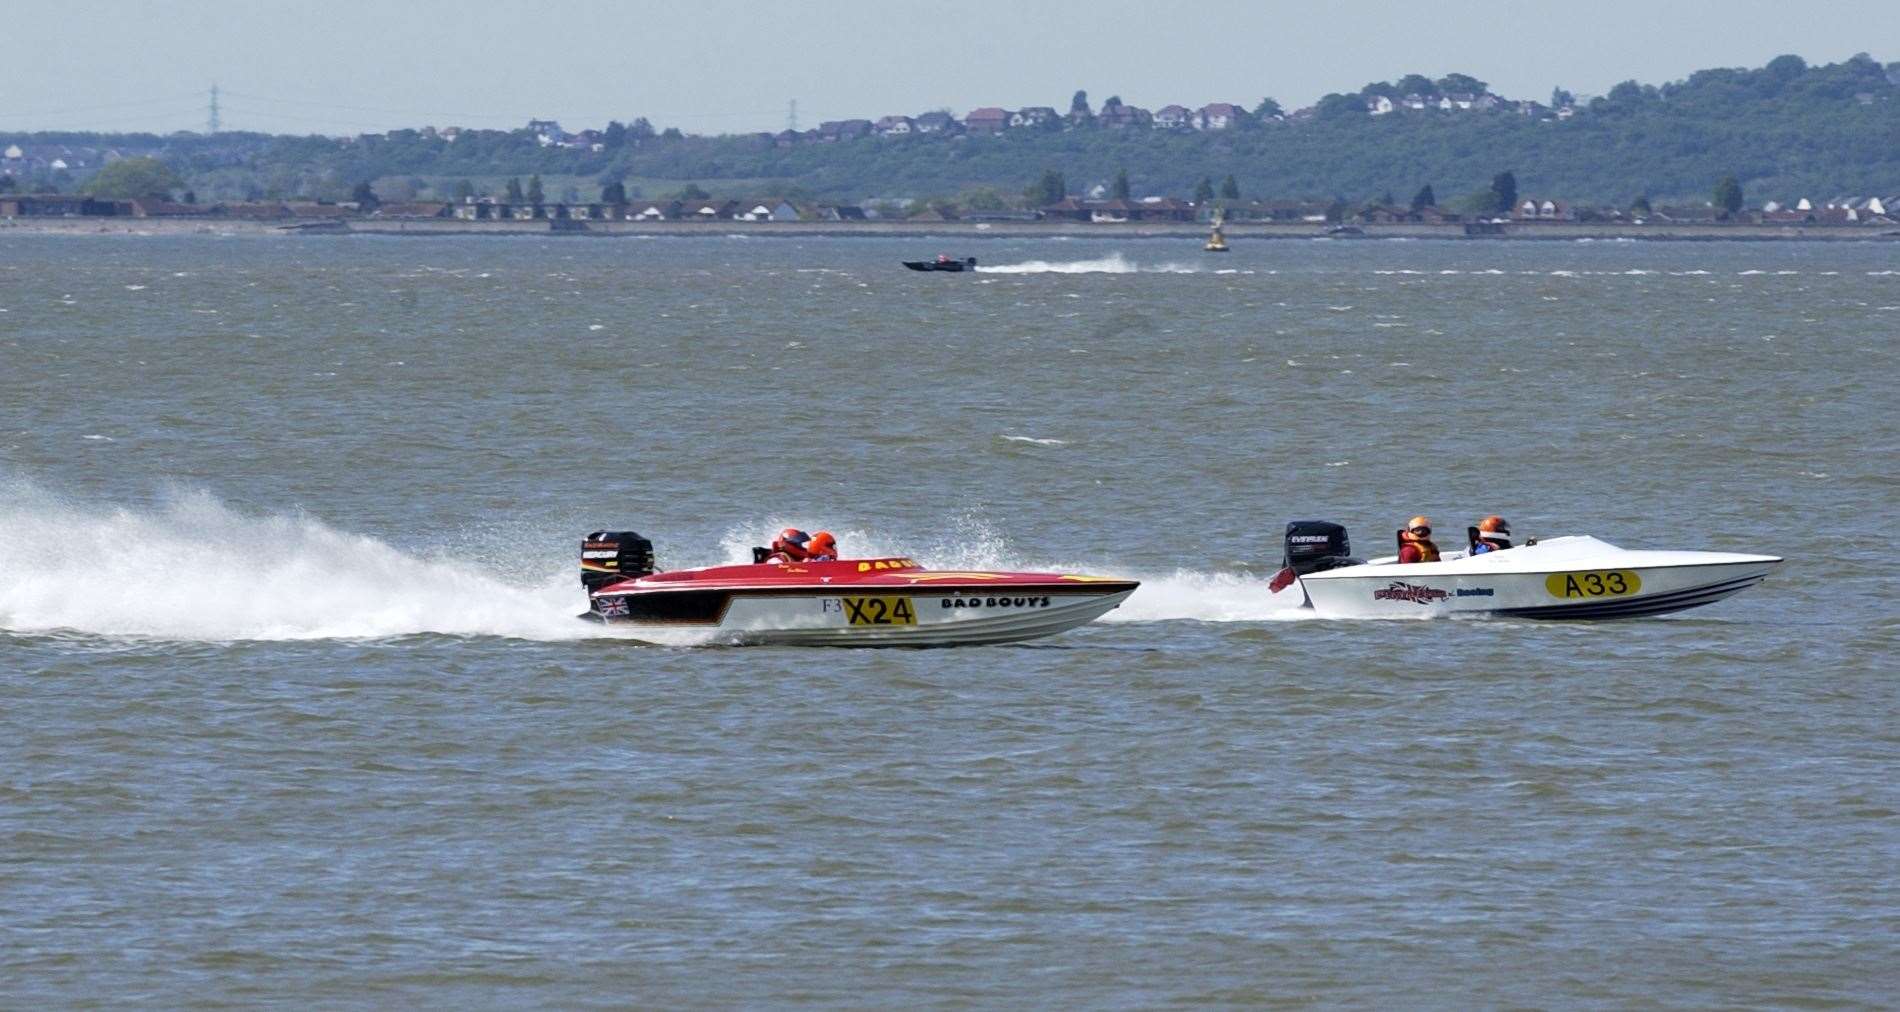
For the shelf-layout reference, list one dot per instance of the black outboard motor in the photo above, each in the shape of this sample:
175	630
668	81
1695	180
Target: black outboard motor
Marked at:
612	556
1313	546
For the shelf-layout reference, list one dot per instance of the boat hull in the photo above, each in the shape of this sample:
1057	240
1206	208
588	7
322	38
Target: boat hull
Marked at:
1592	581
865	616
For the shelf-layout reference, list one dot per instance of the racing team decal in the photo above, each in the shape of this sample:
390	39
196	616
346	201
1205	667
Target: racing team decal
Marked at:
1400	591
996	602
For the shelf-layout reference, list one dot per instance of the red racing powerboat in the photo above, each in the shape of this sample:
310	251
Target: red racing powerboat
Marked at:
852	602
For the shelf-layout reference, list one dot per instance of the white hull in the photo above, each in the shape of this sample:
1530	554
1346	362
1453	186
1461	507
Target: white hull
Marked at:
1561	578
926	620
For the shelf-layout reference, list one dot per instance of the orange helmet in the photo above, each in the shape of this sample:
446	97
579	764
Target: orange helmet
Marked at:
1419	527
1494	524
822	543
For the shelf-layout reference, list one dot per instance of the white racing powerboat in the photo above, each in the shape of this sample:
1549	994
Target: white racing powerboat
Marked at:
1573	577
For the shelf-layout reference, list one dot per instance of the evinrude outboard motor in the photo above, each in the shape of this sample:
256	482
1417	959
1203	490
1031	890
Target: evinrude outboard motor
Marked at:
611	556
1314	546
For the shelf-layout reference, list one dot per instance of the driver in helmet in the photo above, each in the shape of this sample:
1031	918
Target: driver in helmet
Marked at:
789	546
1493	534
822	547
1415	542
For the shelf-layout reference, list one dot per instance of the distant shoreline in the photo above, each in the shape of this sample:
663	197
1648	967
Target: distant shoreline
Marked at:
1243	231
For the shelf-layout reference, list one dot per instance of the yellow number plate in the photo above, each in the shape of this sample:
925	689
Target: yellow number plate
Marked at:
879	611
1607	583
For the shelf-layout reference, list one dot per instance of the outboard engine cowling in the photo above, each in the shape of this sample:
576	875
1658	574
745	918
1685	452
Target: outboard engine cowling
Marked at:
1313	546
611	556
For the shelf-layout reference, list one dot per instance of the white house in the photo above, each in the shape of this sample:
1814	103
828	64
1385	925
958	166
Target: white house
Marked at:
1379	105
1034	116
765	210
1173	117
1218	116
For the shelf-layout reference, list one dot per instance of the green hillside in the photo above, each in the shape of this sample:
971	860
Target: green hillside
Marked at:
1785	130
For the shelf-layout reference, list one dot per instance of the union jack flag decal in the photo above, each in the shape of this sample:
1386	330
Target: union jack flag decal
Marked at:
611	607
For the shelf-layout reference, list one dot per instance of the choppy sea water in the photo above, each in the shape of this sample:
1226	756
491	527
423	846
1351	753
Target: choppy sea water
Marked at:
296	710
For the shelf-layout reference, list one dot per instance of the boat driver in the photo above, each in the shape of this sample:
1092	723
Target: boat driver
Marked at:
822	547
1415	542
789	546
1493	535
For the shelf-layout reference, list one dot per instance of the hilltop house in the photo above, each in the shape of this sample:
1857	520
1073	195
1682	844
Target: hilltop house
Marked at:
546	132
1379	105
987	120
1035	117
1125	117
1467	101
936	123
893	126
1173	117
844	130
1219	116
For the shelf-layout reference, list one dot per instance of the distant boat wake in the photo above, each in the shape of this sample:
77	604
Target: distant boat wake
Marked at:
1114	263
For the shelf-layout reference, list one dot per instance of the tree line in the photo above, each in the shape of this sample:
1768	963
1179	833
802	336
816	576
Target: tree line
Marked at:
1784	130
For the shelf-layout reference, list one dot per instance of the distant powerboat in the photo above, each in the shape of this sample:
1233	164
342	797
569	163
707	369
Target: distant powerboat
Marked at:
942	264
886	601
1572	577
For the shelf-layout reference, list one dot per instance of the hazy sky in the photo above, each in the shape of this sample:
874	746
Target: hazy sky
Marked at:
351	66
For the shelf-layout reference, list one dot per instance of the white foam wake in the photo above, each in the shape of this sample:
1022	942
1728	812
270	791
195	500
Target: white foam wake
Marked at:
1208	597
195	569
1114	263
